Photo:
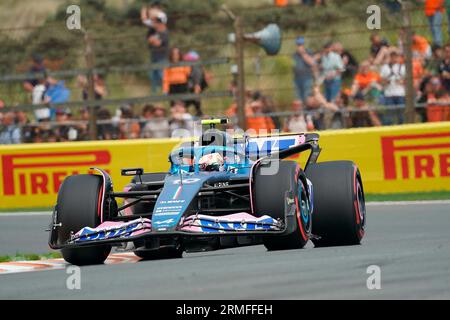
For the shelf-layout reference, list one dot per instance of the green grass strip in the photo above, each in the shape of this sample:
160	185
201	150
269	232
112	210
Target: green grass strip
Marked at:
30	257
36	209
420	196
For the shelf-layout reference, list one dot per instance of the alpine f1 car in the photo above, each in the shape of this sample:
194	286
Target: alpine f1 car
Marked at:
221	191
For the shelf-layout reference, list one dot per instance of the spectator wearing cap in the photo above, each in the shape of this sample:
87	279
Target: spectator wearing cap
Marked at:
37	66
176	78
303	70
332	67
158	42
434	9
197	81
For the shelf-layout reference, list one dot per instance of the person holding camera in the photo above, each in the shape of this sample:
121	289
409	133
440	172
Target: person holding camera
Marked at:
393	79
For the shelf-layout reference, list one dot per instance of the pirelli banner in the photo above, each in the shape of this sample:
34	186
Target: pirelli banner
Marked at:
410	158
31	174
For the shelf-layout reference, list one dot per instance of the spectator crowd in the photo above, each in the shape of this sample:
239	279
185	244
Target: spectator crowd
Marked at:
333	90
345	87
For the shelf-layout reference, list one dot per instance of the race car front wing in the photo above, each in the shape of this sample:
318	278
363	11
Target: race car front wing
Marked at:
194	225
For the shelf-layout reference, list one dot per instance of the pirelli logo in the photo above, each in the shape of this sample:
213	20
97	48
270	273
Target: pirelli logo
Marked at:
416	156
43	173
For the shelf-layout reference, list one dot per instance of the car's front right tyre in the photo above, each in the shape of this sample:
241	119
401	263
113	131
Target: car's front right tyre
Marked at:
281	192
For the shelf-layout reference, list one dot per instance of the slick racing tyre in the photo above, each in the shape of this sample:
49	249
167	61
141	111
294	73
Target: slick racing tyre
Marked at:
274	194
78	206
339	214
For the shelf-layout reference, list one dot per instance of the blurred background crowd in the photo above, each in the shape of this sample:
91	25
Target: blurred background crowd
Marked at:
319	81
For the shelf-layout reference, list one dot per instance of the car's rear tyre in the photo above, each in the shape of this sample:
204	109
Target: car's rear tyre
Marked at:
272	194
339	215
78	206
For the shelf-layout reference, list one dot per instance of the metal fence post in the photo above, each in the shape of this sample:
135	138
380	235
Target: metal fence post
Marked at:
90	64
241	73
409	85
239	47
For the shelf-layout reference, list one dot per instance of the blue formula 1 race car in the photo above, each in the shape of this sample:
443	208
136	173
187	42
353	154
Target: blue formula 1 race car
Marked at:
221	191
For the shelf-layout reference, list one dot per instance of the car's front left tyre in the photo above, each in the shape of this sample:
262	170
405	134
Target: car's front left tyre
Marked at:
78	206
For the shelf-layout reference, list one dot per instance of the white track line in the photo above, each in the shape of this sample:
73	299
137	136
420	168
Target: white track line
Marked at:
25	214
58	264
28	266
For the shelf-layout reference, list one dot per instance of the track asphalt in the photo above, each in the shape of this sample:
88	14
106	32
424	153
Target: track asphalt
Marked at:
410	243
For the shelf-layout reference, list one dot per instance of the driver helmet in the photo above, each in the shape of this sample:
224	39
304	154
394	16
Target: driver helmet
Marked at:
211	162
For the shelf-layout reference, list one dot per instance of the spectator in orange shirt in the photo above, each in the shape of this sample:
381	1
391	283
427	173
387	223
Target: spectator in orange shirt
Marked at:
418	71
366	81
281	3
255	120
434	10
175	79
421	47
438	107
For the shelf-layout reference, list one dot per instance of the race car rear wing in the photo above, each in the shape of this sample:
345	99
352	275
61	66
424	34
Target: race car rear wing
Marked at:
283	146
